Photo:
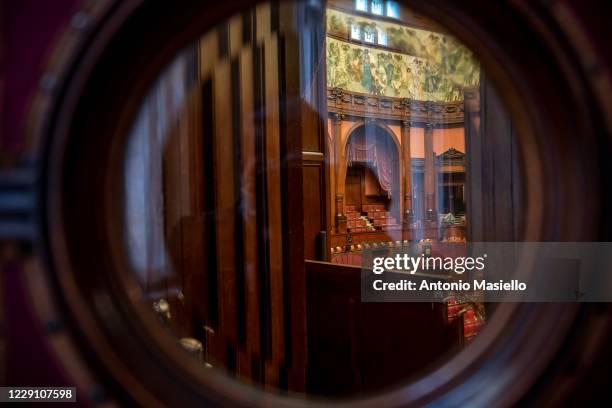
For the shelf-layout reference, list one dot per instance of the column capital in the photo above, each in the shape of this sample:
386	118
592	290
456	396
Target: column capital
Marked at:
337	116
406	123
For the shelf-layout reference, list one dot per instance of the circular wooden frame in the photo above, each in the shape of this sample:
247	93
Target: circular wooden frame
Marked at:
549	93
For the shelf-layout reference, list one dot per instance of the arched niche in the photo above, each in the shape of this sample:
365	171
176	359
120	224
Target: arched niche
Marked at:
375	137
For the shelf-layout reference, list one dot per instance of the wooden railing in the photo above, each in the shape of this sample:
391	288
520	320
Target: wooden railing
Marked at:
358	347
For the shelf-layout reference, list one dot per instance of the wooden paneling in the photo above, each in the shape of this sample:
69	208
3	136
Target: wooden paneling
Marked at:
316	158
313	186
359	347
249	204
273	173
225	206
236	192
493	187
211	294
354	180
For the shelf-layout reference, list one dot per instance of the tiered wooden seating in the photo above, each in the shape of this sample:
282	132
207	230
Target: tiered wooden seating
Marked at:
472	323
385	221
352	216
354	222
379	216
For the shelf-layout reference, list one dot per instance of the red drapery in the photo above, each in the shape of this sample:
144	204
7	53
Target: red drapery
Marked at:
369	155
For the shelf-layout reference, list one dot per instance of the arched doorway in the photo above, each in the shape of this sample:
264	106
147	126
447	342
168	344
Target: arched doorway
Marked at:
372	180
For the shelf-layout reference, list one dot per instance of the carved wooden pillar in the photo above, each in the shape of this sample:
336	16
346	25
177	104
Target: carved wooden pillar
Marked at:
338	173
408	217
430	176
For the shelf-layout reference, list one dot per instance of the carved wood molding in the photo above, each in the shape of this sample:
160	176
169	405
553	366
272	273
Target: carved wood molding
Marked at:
451	157
419	113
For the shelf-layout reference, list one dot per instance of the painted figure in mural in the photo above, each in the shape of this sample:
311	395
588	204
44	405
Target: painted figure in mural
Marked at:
433	78
432	47
342	76
336	65
333	55
398	74
379	75
430	66
418	73
355	65
366	78
335	23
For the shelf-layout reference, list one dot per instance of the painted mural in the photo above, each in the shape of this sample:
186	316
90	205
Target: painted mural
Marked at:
423	65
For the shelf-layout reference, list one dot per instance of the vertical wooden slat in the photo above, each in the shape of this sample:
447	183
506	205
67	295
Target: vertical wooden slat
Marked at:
209	53
249	203
235	35
302	36
262	22
194	285
261	198
225	201
273	176
209	235
236	133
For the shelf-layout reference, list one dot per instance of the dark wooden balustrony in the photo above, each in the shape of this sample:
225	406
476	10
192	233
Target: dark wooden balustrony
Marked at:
359	347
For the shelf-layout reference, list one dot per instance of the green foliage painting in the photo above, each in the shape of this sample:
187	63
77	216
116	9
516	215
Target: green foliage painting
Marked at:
423	65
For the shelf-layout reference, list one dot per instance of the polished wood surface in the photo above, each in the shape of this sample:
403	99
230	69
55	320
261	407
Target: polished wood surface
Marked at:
360	347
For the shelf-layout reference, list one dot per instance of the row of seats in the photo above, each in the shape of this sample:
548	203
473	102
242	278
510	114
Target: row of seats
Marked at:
472	321
379	222
355	223
377	217
378	214
373	207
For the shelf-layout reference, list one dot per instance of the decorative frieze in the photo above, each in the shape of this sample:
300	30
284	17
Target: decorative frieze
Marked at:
437	114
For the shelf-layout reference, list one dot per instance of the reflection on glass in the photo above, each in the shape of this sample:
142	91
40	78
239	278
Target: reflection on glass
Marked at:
219	222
